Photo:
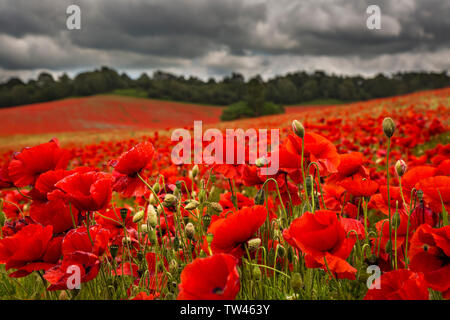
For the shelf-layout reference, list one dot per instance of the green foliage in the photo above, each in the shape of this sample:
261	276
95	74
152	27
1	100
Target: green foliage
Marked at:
293	88
241	110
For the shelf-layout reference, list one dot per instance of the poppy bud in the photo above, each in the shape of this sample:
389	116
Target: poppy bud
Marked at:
173	266
123	213
216	208
309	184
388	247
298	128
260	197
388	127
420	195
256	273
170	200
144	228
126	240
153	200
169	296
192	205
194	171
396	220
400	168
206	220
114	248
296	281
281	251
178	184
253	244
152	216
156	188
152	236
261	162
202	196
189	230
212	178
138	216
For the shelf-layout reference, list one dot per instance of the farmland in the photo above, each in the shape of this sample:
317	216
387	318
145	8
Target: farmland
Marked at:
359	185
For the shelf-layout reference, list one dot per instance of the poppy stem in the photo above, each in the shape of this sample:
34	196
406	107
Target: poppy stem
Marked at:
389	196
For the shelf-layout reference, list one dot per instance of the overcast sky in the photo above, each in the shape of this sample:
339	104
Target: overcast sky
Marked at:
216	37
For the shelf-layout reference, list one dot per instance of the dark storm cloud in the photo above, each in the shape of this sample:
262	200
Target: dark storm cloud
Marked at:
215	37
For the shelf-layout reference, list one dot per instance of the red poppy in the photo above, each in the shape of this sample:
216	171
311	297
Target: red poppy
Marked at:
89	191
27	165
399	285
78	240
56	213
350	164
317	149
232	232
227	203
212	278
5	180
59	276
321	236
30	249
436	192
359	186
127	168
430	253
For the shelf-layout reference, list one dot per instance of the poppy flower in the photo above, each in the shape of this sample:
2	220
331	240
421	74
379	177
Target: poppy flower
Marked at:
127	168
236	229
436	192
78	240
430	253
321	236
359	186
211	278
317	149
227	203
88	191
30	249
5	180
349	165
59	276
399	285
27	165
56	213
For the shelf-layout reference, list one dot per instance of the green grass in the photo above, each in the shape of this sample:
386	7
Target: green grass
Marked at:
137	93
319	102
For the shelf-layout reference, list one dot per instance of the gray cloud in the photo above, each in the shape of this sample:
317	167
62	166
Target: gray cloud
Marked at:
216	37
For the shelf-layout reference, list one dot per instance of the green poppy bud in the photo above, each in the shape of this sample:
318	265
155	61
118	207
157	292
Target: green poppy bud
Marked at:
156	187
256	273
152	216
296	281
169	200
138	216
206	220
189	230
261	162
215	207
400	168
298	128
114	248
123	213
260	197
195	171
388	127
192	205
253	244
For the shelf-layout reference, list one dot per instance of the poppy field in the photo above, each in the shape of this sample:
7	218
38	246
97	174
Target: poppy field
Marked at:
357	210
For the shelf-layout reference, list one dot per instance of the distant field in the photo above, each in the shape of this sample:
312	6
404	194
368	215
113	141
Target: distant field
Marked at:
103	112
114	118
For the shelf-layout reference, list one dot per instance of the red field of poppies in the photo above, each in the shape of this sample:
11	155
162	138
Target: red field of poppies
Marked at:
361	188
104	112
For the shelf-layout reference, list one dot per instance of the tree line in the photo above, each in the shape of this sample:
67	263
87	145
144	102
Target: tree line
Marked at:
292	88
